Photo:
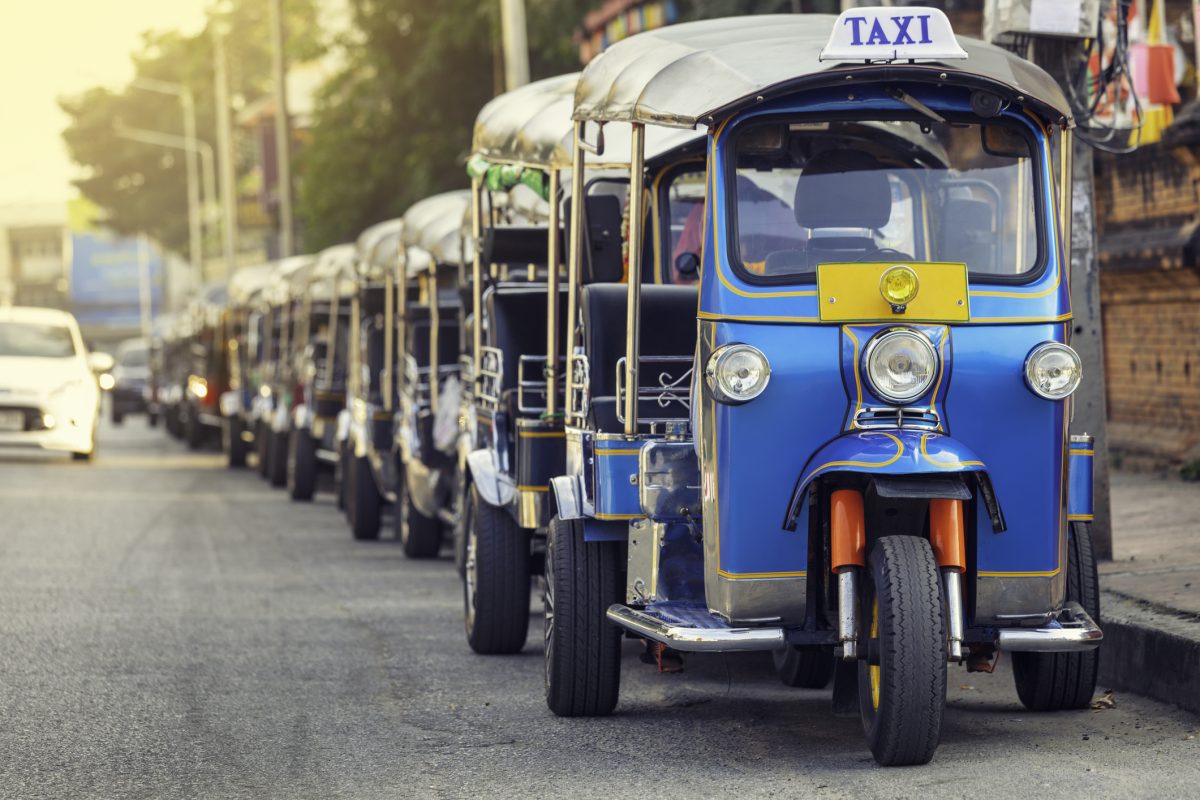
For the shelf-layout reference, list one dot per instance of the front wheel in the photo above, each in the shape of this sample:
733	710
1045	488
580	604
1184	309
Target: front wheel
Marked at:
902	680
365	502
277	445
583	649
193	431
1060	681
301	465
234	445
804	667
420	536
496	586
262	447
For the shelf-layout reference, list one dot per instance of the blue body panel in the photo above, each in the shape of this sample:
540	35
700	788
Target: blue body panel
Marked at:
616	496
1079	495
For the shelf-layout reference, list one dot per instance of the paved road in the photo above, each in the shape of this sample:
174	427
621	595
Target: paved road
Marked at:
172	629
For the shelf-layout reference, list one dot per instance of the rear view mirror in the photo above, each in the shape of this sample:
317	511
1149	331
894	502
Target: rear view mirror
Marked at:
1003	142
687	265
100	362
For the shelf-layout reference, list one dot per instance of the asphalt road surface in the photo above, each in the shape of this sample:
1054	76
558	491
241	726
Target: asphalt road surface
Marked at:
170	628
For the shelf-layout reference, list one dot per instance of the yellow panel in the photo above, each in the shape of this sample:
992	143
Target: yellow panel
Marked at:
850	293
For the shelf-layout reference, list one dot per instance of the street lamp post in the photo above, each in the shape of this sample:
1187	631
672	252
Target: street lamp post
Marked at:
188	102
283	149
225	148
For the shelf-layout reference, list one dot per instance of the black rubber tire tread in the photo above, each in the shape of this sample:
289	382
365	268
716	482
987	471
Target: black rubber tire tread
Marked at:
277	459
423	537
804	667
906	727
301	465
152	420
1061	681
262	447
193	431
500	624
117	417
233	445
583	651
366	506
342	479
459	532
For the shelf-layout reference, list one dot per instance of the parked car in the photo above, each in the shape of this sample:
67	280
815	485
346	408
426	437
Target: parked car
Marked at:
49	395
131	392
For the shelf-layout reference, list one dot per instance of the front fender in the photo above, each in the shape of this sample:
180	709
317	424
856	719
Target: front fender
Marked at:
496	487
895	452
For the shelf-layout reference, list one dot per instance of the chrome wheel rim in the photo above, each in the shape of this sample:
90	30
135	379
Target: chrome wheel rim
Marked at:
469	579
548	605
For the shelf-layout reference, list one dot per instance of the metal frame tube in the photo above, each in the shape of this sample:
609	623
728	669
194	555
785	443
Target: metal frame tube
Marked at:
848	612
476	275
952	581
633	317
574	262
552	262
435	323
331	352
386	380
1066	197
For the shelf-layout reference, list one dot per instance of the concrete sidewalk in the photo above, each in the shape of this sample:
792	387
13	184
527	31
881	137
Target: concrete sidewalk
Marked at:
1150	606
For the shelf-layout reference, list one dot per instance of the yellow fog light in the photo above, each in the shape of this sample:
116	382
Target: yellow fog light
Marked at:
899	287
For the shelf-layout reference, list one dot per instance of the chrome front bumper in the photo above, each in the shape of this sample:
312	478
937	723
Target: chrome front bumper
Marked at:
1070	630
694	638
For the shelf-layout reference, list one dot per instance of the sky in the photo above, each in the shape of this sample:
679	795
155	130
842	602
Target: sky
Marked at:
50	48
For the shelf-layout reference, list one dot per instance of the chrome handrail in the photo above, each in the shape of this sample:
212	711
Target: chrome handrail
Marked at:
671	388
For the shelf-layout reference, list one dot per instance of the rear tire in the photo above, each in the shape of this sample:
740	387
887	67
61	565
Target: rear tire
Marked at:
902	698
496	586
117	417
277	458
262	447
1060	681
583	649
301	465
420	536
804	667
233	444
366	505
462	496
152	419
193	431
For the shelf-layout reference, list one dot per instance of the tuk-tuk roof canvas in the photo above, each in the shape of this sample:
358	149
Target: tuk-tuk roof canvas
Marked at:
686	74
435	225
247	281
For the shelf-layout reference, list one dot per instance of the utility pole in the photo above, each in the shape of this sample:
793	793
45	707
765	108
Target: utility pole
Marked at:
191	151
283	148
144	297
516	47
225	151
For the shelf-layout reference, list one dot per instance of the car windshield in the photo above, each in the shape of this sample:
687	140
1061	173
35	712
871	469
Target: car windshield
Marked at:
34	340
860	191
136	357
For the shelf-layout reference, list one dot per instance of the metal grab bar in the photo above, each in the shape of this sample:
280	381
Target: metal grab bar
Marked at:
673	386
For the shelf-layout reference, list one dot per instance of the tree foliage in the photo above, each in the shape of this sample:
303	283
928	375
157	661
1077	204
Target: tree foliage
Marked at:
142	188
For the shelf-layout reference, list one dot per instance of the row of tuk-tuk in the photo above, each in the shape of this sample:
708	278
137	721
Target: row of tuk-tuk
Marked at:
751	336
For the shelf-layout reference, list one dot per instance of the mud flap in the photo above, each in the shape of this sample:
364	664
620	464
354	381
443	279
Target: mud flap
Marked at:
845	689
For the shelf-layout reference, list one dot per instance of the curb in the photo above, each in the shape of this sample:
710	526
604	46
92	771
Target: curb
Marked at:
1150	650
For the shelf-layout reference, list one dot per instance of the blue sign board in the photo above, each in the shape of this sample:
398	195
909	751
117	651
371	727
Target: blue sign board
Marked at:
106	278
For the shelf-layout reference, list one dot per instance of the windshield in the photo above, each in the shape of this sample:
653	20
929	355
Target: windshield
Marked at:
35	340
827	192
683	200
134	357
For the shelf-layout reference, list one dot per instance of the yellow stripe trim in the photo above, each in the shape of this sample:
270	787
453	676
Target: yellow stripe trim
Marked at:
619	516
533	488
945	464
541	434
1080	517
733	576
1049	574
617	452
867	464
1083	453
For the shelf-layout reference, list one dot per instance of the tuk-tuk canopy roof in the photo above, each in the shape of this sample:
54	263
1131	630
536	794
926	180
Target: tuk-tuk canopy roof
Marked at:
532	126
375	246
287	273
333	272
434	225
248	282
696	72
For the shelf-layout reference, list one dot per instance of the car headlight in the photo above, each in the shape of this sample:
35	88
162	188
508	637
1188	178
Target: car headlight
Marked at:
737	373
107	381
1053	370
900	365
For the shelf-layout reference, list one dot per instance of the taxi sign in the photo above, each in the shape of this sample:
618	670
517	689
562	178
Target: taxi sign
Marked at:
897	33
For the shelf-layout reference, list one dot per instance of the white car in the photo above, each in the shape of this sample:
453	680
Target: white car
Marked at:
49	395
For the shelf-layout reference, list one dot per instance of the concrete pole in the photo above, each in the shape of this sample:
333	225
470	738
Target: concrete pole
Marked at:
225	153
144	298
516	47
283	149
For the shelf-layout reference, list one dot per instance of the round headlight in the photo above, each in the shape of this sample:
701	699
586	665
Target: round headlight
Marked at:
1053	370
737	373
900	365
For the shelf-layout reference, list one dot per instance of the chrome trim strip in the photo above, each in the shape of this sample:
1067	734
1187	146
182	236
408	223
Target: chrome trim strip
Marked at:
696	640
1071	630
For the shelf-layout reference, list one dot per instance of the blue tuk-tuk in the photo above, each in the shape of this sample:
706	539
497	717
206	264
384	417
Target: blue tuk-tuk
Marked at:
521	149
870	460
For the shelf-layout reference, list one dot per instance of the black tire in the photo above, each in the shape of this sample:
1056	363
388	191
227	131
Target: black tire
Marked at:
342	478
117	417
496	586
1060	681
804	667
233	444
905	631
152	419
366	505
193	431
277	458
301	465
462	495
262	447
82	456
583	649
420	536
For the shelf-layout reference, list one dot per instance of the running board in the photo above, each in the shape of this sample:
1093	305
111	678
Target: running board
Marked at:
1070	630
694	638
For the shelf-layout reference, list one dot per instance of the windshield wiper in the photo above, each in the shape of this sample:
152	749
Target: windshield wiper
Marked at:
897	93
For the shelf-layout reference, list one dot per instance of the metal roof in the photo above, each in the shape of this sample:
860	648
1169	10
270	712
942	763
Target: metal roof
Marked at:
434	225
285	274
532	126
333	272
696	72
248	281
382	236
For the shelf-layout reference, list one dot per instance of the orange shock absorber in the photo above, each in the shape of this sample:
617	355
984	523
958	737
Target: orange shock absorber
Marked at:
946	533
847	530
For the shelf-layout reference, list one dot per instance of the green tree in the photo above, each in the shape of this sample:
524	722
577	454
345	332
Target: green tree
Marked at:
142	188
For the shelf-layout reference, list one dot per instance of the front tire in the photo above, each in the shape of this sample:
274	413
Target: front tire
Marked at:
496	586
804	667
420	536
301	465
366	505
262	447
193	431
234	445
277	458
1060	681
583	649
462	495
902	682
